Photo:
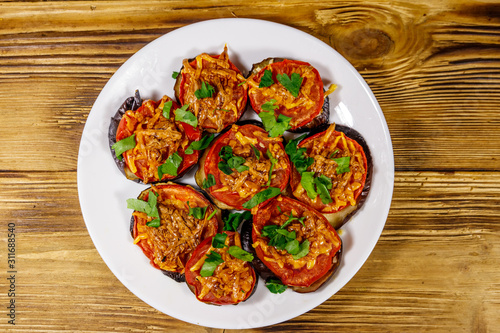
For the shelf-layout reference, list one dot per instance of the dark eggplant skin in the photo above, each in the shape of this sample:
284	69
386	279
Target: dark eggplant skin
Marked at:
131	103
322	118
266	273
356	136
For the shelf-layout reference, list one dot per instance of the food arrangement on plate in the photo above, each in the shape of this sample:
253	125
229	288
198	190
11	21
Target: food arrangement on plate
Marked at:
265	206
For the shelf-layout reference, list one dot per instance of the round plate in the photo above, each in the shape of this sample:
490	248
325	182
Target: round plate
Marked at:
103	190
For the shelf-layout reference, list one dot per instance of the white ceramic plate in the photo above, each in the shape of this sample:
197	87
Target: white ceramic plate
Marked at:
103	190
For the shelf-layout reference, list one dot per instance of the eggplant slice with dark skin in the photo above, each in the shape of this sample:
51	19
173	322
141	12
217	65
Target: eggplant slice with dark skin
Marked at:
266	274
340	218
131	103
322	118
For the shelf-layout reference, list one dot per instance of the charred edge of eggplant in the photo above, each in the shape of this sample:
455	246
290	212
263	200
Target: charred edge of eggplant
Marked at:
131	103
257	67
355	135
321	119
246	241
325	278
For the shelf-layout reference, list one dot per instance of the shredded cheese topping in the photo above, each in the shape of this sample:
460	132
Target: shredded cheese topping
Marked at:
156	139
230	90
322	239
345	184
253	180
177	236
232	278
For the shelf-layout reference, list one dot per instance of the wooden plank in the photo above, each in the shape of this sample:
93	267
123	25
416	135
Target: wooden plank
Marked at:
434	68
427	240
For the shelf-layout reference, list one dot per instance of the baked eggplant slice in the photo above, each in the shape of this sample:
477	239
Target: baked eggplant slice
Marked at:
219	271
289	88
243	167
168	223
293	243
214	90
149	144
331	172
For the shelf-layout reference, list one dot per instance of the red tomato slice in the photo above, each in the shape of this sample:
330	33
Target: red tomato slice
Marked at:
232	282
323	247
157	138
236	189
303	108
347	187
170	245
229	98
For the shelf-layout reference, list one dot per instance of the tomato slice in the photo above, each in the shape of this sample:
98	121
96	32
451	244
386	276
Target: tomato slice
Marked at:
246	141
303	108
170	245
293	216
232	282
157	138
326	148
222	107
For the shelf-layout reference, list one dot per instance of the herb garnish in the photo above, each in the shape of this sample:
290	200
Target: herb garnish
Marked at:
205	91
174	75
267	79
297	156
275	286
292	83
262	196
342	164
170	166
149	207
239	253
209	181
197	212
211	262
256	152
228	161
123	145
199	145
273	163
185	116
166	109
274	126
234	220
317	185
219	241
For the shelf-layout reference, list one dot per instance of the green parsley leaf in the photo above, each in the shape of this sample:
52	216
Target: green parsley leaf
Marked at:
262	196
334	152
274	126
170	166
307	182
174	75
275	286
267	79
234	220
123	145
292	83
199	145
269	105
292	247
149	207
236	162
297	155
205	91
209	181
226	153
211	262
292	218
273	163
185	116
166	109
197	212
256	152
229	162
212	215
303	250
239	253
219	241
342	164
224	168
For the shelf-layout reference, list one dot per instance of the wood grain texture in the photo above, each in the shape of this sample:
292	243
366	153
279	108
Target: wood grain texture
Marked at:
442	226
434	67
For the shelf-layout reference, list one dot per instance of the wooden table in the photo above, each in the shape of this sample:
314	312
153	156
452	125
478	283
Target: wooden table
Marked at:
434	67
